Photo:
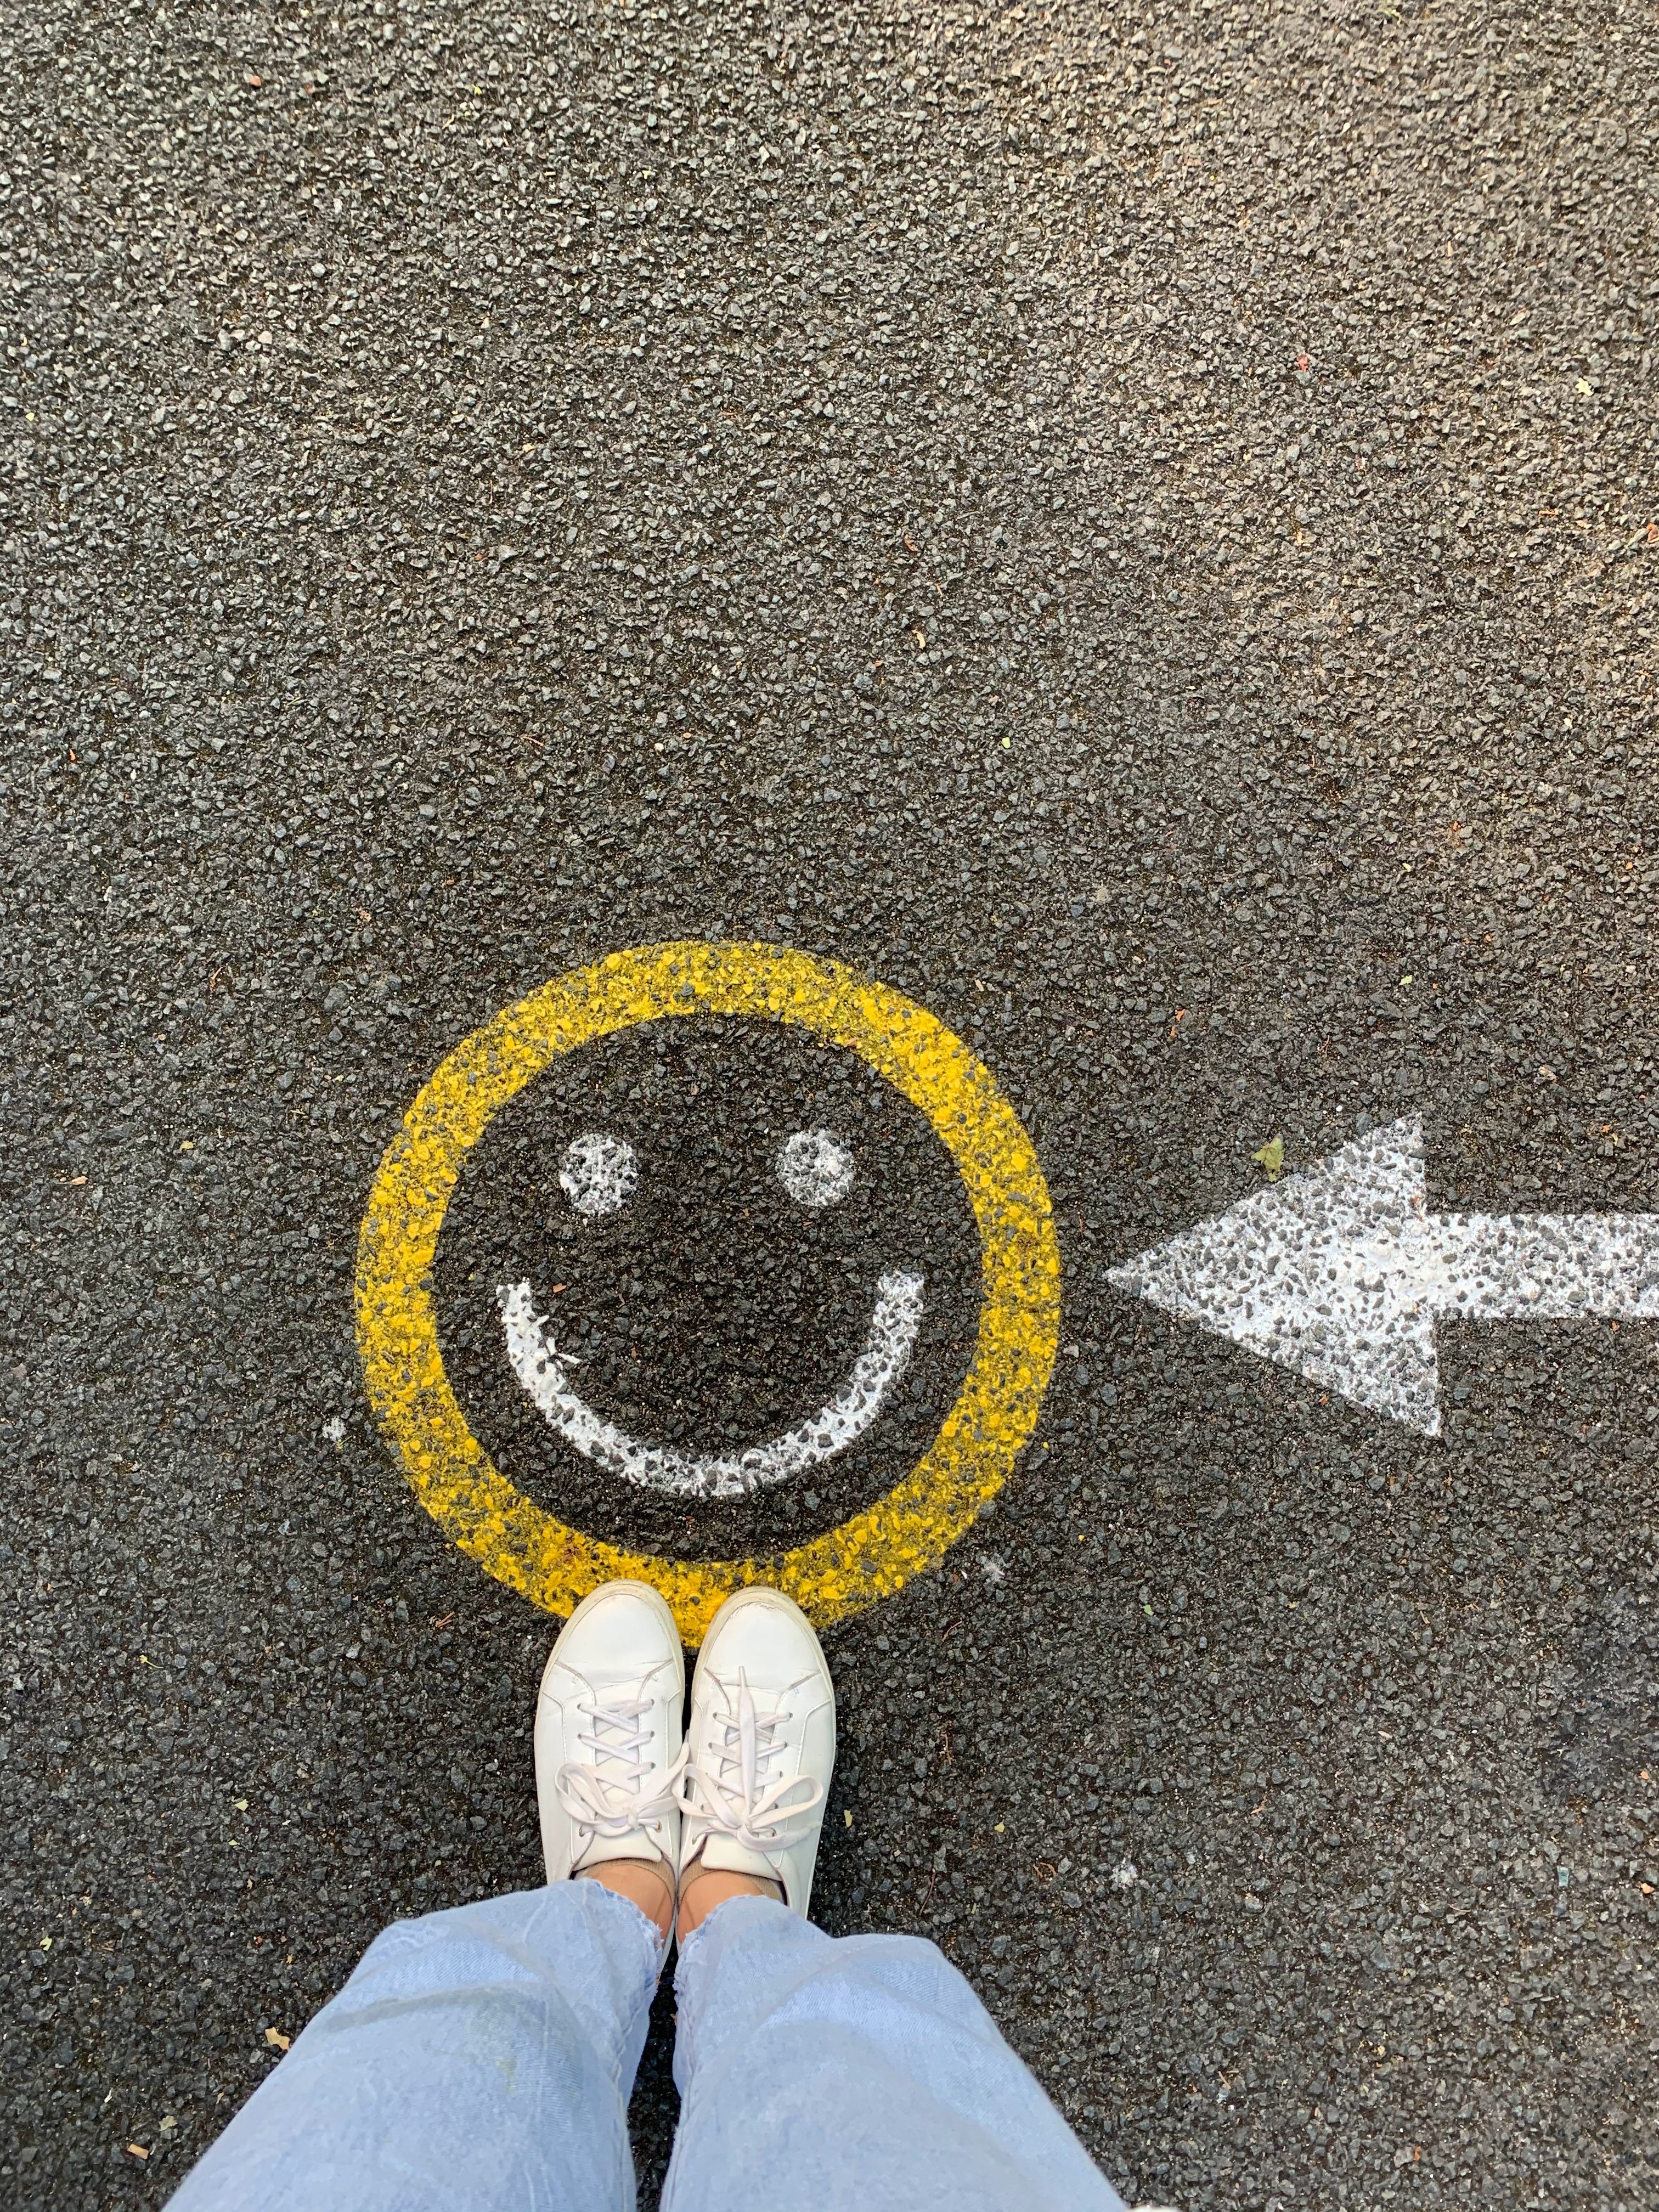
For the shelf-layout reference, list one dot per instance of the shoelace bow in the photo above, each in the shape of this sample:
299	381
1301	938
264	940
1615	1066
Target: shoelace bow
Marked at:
612	1803
734	1794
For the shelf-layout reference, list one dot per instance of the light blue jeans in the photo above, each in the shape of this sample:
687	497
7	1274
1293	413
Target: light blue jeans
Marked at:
481	2060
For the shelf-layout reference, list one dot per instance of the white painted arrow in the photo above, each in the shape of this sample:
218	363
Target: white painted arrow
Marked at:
1341	1273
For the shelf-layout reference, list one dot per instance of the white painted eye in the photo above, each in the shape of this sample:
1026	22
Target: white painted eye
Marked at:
599	1172
814	1168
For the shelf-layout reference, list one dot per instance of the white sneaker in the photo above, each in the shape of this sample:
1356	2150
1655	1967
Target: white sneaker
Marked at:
608	1735
761	1748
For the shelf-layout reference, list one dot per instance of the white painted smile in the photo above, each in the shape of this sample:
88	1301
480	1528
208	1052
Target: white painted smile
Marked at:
841	1421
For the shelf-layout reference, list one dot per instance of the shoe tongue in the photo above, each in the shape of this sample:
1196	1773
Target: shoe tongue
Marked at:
636	1844
726	1854
608	1756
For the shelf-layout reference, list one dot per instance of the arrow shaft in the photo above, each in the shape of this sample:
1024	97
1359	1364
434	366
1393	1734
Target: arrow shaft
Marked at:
1545	1267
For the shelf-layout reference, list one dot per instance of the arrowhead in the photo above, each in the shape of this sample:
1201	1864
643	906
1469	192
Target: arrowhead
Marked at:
1321	1273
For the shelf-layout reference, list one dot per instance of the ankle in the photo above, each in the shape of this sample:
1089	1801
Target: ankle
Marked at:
706	1887
642	1883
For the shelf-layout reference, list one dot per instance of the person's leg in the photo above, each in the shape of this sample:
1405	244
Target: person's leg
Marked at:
862	2075
483	2057
866	2065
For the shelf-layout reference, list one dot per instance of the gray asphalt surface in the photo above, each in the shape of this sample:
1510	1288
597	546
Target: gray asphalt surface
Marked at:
1137	529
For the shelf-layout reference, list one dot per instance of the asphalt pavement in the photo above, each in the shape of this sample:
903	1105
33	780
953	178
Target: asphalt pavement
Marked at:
1136	529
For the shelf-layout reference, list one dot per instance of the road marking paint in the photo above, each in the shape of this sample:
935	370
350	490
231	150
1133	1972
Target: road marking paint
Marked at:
839	1422
1341	1273
599	1172
814	1168
877	1551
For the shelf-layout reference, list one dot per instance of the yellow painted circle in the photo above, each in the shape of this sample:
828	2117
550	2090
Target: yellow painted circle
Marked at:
879	1550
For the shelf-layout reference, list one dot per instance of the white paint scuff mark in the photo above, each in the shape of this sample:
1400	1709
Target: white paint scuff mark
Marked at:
1341	1273
599	1172
814	1168
334	1430
541	1368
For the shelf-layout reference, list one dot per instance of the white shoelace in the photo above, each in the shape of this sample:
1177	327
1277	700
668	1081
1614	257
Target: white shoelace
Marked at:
735	1795
609	1804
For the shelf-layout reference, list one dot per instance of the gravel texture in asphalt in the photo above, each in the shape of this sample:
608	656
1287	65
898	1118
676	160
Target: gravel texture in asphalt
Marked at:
1135	526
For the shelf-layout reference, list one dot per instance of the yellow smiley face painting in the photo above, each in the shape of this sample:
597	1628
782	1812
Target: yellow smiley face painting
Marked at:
866	1327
